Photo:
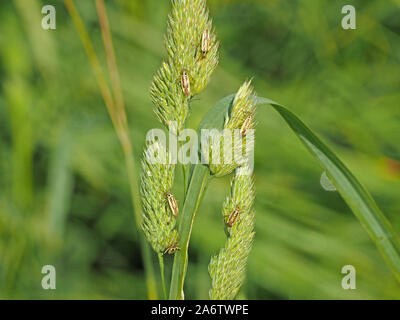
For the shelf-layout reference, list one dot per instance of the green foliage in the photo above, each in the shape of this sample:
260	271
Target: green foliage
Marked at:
343	84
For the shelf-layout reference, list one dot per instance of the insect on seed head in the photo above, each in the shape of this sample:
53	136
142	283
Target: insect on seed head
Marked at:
247	124
169	195
172	203
205	42
172	249
185	82
233	217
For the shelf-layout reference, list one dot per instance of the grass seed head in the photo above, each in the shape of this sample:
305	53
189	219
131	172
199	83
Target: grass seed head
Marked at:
238	143
158	225
227	269
185	40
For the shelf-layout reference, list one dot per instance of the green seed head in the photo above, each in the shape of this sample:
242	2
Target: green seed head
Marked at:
187	24
237	142
159	224
227	269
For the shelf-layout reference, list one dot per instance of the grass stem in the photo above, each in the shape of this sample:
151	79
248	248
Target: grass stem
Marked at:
162	272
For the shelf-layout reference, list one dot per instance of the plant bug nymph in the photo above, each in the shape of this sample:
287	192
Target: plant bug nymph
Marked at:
205	42
233	217
185	83
172	203
172	249
246	125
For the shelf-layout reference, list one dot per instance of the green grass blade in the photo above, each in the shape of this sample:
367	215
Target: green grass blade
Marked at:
354	194
197	185
199	176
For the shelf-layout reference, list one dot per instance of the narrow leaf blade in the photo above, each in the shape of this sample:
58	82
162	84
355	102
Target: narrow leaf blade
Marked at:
354	194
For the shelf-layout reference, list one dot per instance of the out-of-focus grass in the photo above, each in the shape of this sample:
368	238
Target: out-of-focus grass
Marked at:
64	196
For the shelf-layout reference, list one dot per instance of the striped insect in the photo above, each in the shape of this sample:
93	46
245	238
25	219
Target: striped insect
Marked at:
172	203
185	83
172	249
247	124
205	42
233	216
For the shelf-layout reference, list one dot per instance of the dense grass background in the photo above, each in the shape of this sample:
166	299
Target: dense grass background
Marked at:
64	195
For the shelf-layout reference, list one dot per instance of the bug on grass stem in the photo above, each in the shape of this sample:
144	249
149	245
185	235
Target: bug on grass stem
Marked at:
205	42
172	203
233	217
246	124
185	82
172	249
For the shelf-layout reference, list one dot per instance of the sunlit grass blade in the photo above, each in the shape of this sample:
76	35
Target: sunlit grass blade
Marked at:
199	177
354	194
197	185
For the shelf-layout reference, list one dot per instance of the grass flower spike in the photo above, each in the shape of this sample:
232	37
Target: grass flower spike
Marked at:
237	140
156	183
192	57
243	107
227	269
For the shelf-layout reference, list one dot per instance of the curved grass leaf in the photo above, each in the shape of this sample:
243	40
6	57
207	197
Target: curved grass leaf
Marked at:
199	177
353	193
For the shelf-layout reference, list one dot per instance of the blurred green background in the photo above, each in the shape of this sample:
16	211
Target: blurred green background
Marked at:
64	194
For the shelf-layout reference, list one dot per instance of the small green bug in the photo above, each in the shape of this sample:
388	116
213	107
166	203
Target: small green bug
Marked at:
233	217
172	249
172	203
185	83
247	124
205	42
